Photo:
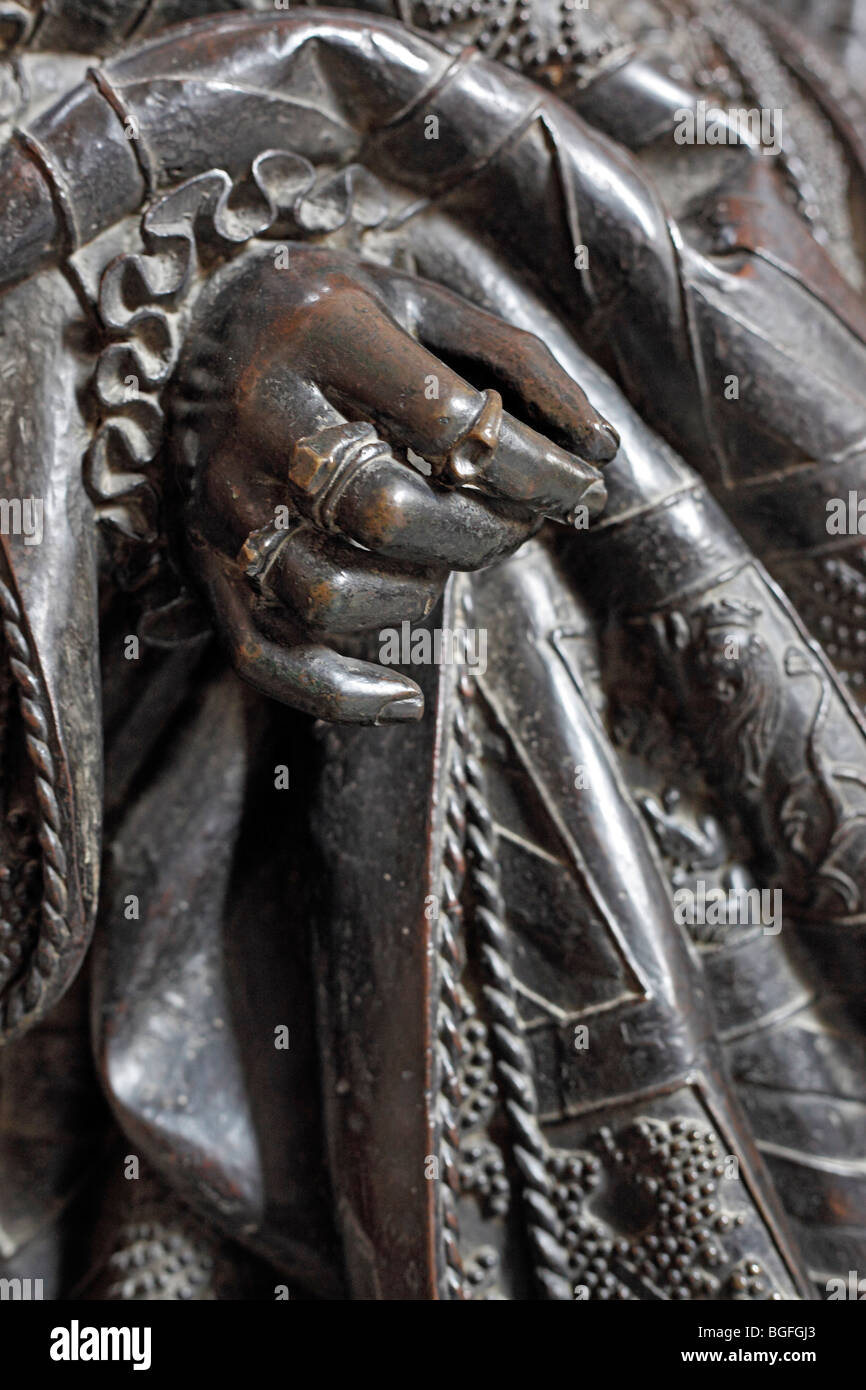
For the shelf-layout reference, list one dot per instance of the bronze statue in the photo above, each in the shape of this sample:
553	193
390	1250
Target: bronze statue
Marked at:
433	850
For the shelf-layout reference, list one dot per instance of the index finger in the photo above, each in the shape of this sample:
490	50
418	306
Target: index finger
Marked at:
374	368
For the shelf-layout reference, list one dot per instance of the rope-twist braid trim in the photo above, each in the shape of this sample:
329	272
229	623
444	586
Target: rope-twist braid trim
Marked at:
451	959
513	1061
28	990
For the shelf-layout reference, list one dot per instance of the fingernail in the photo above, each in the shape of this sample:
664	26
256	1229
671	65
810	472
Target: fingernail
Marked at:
402	709
593	500
608	441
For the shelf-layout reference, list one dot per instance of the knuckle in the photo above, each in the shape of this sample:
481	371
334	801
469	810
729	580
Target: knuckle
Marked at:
388	512
327	600
532	344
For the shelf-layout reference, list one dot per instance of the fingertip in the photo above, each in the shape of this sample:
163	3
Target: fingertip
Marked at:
362	692
405	708
592	503
603	442
595	498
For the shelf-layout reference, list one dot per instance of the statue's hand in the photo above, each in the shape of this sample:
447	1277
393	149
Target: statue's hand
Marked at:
297	397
